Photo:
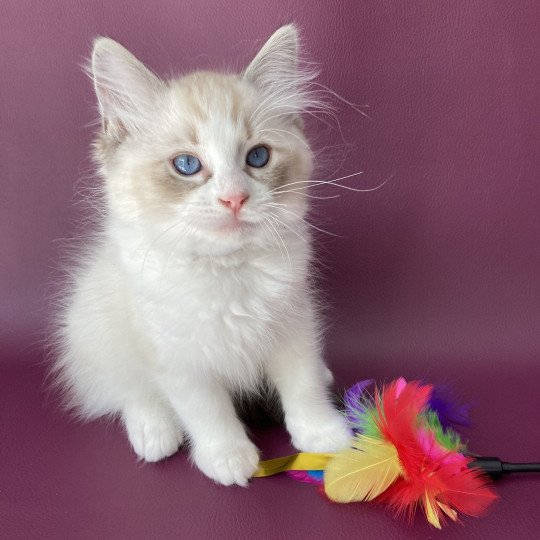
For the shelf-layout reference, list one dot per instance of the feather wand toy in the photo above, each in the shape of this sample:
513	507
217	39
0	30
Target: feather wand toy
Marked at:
405	453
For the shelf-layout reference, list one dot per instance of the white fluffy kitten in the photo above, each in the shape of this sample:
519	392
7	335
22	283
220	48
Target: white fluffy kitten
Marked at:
197	287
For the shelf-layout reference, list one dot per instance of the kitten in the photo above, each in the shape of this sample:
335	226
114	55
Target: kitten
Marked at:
197	288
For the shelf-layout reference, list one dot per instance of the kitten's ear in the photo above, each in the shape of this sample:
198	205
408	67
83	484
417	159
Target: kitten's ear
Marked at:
125	88
281	82
277	61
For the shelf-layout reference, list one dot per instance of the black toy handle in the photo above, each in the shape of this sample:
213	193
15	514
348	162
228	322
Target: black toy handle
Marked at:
496	468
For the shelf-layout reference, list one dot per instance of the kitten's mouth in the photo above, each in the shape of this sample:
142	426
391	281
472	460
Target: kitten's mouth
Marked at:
234	225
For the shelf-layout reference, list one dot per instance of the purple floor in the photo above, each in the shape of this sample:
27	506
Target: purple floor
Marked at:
60	479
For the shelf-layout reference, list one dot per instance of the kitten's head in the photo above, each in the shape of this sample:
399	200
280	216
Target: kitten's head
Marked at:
210	155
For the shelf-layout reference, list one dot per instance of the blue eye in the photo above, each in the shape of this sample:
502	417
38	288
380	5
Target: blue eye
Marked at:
258	157
186	164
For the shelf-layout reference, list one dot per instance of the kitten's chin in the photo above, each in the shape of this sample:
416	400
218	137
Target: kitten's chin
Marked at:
234	227
226	237
222	244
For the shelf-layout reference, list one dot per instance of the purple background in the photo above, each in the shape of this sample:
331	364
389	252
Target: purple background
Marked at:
434	276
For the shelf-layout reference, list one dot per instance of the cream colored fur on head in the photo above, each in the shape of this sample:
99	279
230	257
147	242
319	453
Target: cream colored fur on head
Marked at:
183	300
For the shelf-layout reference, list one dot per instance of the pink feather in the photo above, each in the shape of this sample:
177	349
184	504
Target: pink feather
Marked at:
304	476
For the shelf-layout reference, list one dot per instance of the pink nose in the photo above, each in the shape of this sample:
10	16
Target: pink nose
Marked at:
234	202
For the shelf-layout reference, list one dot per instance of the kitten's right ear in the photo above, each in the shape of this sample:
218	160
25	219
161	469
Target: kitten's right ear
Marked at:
126	89
277	62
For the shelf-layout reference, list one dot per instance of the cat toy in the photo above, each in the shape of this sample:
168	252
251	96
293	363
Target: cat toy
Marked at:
405	453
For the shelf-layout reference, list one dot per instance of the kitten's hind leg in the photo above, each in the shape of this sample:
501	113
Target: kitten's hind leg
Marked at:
153	429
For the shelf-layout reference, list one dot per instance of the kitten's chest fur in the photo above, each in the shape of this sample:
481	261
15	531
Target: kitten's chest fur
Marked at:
221	315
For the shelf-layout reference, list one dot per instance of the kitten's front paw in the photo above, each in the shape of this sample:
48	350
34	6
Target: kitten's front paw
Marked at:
317	435
154	435
228	463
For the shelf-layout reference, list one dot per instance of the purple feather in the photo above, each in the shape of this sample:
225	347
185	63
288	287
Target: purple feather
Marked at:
354	403
450	413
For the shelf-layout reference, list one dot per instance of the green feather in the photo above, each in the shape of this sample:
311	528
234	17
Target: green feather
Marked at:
365	420
447	438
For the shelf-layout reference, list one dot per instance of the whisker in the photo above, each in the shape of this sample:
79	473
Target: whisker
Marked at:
266	224
283	243
308	223
307	194
318	182
276	217
288	132
342	99
285	140
303	111
333	183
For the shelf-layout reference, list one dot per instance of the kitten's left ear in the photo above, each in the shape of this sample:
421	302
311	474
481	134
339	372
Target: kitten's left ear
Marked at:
276	64
126	89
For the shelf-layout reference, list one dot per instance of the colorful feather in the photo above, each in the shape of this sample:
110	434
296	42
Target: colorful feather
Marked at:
363	472
355	403
405	453
450	413
434	476
447	438
440	488
308	477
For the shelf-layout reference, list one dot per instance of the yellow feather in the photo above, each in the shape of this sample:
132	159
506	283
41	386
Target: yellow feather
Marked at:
431	511
363	472
450	512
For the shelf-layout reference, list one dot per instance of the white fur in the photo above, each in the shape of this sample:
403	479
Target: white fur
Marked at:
171	312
